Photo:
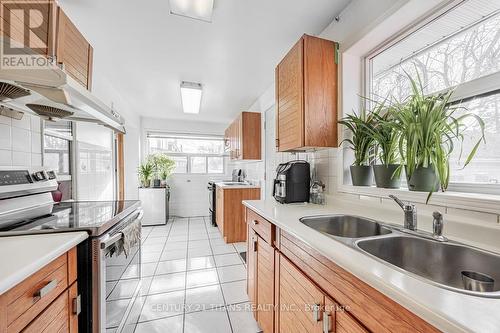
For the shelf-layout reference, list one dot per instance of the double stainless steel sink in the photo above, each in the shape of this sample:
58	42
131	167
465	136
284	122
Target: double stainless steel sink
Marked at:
450	265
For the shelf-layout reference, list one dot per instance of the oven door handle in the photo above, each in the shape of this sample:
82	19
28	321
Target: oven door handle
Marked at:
115	238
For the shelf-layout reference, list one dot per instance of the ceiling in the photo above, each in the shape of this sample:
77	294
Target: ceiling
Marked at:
144	53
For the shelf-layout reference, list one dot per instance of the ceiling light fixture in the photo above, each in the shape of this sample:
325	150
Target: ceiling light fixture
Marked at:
191	97
196	9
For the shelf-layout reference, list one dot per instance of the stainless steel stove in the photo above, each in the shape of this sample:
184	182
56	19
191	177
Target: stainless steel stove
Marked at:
26	207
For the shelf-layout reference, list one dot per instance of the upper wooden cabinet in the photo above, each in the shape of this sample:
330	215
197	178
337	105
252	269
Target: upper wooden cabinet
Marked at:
73	51
306	96
54	35
15	26
243	137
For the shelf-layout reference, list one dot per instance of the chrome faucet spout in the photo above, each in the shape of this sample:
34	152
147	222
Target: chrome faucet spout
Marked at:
410	211
399	202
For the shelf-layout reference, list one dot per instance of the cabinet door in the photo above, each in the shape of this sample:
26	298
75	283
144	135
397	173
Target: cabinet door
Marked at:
73	51
252	267
265	285
55	318
16	18
344	323
289	100
329	313
301	302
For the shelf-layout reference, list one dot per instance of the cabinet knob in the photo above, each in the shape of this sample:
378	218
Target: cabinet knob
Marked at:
255	222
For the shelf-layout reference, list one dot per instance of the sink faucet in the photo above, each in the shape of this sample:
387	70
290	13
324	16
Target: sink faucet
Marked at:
410	211
437	227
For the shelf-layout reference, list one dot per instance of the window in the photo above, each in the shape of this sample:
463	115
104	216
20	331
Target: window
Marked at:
192	154
57	142
458	49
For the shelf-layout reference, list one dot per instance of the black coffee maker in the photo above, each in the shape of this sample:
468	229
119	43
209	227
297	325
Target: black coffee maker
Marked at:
292	182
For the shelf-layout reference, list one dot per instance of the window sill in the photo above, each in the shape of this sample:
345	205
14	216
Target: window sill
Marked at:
488	203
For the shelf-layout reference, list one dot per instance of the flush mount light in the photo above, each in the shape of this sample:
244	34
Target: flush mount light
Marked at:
196	9
191	97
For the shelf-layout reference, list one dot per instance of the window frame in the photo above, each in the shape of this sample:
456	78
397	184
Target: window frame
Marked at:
71	148
476	88
166	135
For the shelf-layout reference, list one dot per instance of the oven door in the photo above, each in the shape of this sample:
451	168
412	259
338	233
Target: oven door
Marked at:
117	276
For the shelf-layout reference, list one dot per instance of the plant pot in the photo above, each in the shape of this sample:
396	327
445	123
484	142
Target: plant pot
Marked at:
156	182
423	179
385	177
361	175
146	183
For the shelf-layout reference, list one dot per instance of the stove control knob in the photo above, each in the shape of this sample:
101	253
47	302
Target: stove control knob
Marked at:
39	176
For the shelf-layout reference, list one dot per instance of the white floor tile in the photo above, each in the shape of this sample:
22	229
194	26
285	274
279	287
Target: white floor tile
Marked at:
235	292
242	319
152	248
169	282
155	240
151	257
198	243
232	273
223	249
172	324
173	255
204	298
207	321
201	277
200	263
199	252
163	305
227	259
175	246
171	266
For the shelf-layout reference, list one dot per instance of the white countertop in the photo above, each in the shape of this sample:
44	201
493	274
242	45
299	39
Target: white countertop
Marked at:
21	256
447	310
226	186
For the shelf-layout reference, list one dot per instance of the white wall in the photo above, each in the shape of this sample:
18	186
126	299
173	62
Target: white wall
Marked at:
189	194
20	141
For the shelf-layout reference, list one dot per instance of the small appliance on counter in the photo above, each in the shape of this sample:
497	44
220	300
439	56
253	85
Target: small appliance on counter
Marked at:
292	182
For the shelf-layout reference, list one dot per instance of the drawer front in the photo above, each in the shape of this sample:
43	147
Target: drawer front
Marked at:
29	298
261	226
55	318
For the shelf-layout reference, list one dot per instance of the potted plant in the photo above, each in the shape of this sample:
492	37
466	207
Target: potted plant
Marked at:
430	129
145	173
361	143
162	167
386	135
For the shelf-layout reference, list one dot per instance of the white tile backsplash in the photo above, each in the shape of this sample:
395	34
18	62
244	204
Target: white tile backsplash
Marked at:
5	137
20	141
20	158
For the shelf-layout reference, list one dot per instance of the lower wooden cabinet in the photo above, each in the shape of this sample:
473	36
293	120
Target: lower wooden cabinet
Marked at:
300	301
230	212
46	301
260	279
310	293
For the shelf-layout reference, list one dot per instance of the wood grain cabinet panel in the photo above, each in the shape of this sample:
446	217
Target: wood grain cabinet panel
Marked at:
265	285
73	51
30	24
306	96
243	137
300	301
230	212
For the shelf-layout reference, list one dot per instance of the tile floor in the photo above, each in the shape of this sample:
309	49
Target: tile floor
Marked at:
192	282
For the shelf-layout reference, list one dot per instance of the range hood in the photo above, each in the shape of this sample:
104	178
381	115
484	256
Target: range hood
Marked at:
53	95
